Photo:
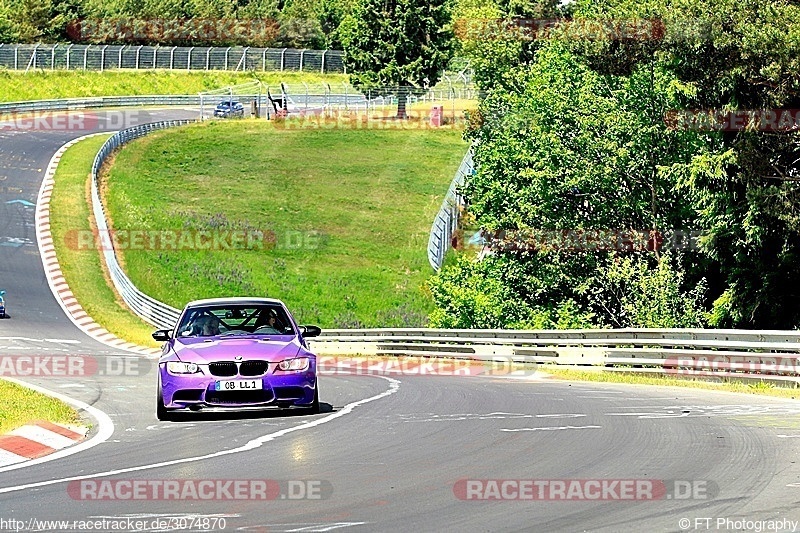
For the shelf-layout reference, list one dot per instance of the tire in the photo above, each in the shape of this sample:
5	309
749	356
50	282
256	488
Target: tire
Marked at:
315	404
161	411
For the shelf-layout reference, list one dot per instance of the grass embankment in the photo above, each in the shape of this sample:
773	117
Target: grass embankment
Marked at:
44	85
70	213
350	211
22	406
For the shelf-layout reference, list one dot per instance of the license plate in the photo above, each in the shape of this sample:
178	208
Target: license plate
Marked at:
238	384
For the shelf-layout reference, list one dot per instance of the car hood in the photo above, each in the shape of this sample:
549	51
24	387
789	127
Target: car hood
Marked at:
205	350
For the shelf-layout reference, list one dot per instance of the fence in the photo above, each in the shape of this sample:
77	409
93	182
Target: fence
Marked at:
103	57
446	221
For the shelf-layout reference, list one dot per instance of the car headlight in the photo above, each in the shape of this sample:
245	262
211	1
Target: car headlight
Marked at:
177	367
298	363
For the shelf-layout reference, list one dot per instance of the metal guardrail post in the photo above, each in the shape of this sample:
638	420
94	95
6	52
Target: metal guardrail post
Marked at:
32	62
103	58
243	61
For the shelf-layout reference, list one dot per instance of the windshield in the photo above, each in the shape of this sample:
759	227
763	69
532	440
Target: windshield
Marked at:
234	320
226	104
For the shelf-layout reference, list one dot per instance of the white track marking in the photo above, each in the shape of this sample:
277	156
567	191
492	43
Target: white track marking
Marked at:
431	417
394	386
556	428
324	527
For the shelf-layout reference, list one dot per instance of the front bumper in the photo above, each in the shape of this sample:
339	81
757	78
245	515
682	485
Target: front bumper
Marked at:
279	389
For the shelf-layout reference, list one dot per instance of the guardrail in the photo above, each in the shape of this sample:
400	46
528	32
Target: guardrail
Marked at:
157	313
69	104
772	356
446	221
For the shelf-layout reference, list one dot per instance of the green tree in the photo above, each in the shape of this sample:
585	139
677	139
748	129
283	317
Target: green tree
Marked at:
739	187
31	19
487	294
561	150
402	43
638	291
8	32
741	55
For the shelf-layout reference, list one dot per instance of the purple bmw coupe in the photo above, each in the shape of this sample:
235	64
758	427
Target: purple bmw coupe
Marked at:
236	353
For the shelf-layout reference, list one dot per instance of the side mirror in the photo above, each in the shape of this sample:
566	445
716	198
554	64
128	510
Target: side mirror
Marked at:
2	293
162	335
310	331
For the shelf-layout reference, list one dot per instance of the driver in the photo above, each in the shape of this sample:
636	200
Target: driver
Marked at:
210	326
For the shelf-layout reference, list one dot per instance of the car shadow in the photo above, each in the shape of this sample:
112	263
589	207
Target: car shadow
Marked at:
201	416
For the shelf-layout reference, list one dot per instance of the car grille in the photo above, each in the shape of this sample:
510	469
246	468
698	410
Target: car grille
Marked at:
289	393
188	395
238	397
247	368
253	368
223	368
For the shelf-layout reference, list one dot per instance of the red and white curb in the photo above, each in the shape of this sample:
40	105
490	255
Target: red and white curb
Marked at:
55	278
42	442
37	440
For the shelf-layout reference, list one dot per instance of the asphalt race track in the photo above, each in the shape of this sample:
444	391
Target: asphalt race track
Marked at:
387	453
